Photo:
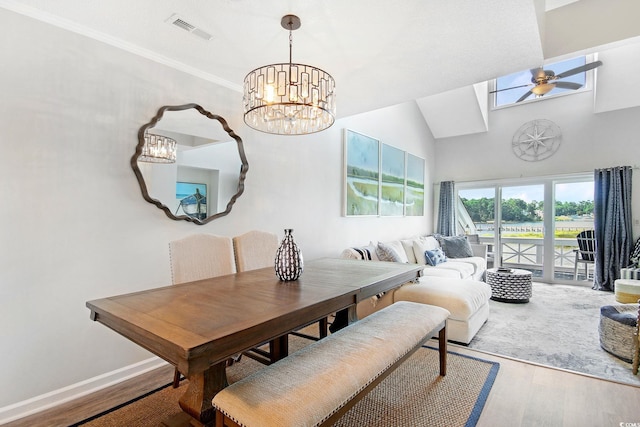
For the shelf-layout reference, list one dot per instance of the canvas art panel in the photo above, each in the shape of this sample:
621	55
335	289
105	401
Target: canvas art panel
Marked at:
392	181
414	193
362	171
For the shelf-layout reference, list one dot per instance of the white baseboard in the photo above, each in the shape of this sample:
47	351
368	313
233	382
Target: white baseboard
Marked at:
74	391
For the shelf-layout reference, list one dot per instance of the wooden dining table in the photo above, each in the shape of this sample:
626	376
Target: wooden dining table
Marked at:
197	326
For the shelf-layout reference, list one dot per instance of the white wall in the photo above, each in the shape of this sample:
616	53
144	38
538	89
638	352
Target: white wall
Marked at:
589	141
74	226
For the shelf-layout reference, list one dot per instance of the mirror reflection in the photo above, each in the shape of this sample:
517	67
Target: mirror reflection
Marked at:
210	166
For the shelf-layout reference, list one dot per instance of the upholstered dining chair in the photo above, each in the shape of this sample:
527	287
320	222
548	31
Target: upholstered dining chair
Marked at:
586	252
257	249
636	353
197	257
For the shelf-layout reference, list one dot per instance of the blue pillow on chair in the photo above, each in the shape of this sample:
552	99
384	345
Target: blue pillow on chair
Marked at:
435	256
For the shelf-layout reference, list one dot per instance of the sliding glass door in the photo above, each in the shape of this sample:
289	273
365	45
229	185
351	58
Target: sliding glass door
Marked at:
530	224
522	227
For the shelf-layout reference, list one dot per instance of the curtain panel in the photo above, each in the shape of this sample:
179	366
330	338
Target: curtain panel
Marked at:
613	224
446	224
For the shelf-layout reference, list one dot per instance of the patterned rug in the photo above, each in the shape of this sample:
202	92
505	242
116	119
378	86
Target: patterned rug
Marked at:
412	395
558	327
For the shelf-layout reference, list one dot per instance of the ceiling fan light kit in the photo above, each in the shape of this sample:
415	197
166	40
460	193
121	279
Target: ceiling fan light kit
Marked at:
288	98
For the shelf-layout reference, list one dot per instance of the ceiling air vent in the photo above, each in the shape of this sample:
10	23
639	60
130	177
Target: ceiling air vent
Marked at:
180	22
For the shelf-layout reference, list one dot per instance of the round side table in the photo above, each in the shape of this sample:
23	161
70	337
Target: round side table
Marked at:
514	286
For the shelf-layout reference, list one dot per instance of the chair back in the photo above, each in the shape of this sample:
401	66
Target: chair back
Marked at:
473	239
255	249
201	256
587	244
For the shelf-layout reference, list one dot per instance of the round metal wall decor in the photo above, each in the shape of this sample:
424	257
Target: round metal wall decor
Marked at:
536	140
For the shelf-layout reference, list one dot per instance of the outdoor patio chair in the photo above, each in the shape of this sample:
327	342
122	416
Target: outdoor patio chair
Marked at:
585	254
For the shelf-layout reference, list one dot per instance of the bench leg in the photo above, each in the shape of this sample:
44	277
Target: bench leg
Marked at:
442	349
222	421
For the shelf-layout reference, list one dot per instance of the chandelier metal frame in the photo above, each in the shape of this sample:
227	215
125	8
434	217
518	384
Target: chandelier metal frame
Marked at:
289	98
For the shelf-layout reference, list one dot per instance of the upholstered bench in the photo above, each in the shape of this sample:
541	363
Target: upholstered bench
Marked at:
627	290
617	330
316	385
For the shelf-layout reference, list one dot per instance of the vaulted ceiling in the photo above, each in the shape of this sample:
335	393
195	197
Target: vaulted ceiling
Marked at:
380	52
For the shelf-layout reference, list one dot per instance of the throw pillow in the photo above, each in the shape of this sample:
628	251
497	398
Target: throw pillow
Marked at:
357	253
421	245
407	245
435	256
456	246
387	253
396	245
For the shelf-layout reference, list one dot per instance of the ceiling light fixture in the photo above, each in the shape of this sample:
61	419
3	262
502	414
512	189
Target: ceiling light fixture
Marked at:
543	88
289	99
158	149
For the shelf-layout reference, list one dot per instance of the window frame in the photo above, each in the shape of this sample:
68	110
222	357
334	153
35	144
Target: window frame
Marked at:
588	84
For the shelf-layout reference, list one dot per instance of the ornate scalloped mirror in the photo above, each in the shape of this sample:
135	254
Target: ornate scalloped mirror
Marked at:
210	167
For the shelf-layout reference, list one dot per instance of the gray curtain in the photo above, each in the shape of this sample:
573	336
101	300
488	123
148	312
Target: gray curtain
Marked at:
613	224
446	210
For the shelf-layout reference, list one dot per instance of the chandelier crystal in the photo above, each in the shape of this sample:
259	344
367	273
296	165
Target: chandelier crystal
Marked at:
288	98
158	149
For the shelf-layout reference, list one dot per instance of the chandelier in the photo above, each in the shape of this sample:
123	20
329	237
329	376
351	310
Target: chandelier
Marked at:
289	99
158	149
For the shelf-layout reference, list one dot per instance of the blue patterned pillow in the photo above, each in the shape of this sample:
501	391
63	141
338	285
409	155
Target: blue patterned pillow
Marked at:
435	257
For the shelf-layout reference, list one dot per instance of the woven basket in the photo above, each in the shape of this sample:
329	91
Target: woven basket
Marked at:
617	327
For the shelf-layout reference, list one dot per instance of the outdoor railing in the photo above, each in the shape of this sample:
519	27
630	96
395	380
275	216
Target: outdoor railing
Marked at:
527	253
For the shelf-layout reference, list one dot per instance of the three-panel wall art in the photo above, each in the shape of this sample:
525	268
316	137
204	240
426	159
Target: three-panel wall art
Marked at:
381	180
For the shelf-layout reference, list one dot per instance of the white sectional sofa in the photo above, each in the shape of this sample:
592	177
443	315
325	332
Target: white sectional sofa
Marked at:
455	283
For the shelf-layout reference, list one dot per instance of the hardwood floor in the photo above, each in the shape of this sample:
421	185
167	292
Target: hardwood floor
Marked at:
524	394
527	394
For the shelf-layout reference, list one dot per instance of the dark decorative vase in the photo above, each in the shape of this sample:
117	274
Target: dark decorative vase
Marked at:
289	263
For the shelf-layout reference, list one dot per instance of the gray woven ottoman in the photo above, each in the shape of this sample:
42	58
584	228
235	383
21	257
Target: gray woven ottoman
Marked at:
617	326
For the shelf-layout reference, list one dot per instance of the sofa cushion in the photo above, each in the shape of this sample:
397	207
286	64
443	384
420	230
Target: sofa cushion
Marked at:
440	272
479	264
435	256
464	269
389	253
423	244
407	245
461	297
456	246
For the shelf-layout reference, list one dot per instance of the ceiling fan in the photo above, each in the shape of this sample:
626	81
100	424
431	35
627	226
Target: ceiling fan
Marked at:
544	81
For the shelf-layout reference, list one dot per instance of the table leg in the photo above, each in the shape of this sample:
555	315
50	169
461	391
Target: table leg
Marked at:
196	401
279	348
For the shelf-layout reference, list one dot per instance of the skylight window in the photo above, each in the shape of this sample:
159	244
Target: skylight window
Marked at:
528	85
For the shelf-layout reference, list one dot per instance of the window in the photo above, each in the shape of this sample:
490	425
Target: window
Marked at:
531	223
511	89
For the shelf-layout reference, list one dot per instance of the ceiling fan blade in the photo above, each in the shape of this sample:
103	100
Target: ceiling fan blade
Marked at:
568	85
525	96
509	88
586	67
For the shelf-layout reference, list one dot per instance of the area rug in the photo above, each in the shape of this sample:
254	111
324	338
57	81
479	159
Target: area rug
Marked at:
412	395
558	327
